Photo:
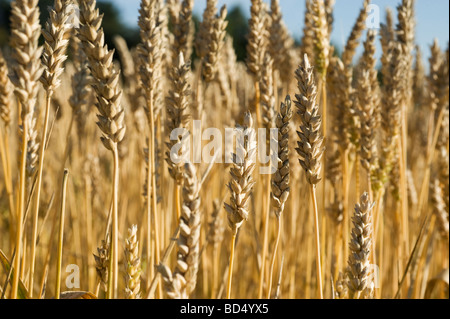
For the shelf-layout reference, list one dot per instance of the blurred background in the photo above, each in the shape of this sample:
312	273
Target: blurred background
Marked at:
121	18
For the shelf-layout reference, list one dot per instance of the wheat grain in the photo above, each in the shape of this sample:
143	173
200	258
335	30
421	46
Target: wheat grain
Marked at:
132	268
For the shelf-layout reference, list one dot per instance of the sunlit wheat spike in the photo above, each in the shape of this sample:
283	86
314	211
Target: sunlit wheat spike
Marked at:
280	41
102	264
241	182
106	77
150	51
355	35
81	85
310	146
321	36
439	209
177	108
281	178
267	93
182	30
203	36
307	41
188	242
359	281
257	39
341	287
368	103
391	111
5	92
56	35
26	71
215	45
132	266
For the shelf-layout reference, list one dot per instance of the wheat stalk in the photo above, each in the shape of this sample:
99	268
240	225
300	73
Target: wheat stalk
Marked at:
150	71
56	35
309	147
108	103
25	75
241	184
61	234
281	179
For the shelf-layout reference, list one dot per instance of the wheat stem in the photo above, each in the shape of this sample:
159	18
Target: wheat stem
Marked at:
20	211
230	268
61	235
274	255
38	194
317	241
265	240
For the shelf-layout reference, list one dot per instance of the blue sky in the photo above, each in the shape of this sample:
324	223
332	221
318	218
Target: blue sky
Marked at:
432	17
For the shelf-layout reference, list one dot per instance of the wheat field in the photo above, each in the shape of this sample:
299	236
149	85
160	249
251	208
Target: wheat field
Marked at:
98	199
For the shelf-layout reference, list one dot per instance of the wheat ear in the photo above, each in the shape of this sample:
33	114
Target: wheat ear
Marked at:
181	283
150	71
182	30
5	115
25	76
307	41
367	97
203	37
56	35
281	179
241	184
281	43
215	45
359	282
81	88
5	93
101	266
111	114
133	265
256	47
355	35
405	37
310	146
268	118
439	209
